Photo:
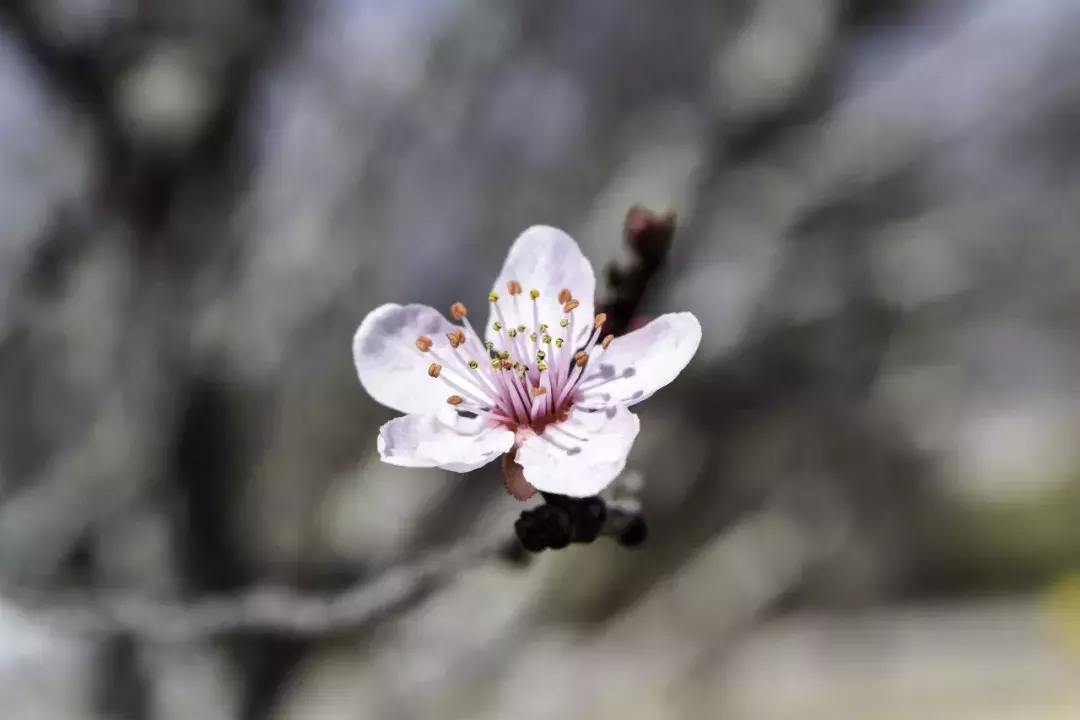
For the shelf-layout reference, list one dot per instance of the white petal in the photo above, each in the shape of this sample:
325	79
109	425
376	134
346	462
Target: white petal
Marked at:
546	259
637	364
442	439
557	463
390	367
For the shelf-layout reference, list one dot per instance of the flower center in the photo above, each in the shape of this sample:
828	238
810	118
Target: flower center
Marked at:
529	374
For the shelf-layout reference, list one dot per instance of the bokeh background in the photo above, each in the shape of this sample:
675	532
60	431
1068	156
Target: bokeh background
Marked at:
863	492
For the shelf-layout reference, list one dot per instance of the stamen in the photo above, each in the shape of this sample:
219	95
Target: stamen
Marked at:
423	343
565	296
558	342
493	296
534	293
434	369
496	326
564	322
458	311
455	399
513	287
570	306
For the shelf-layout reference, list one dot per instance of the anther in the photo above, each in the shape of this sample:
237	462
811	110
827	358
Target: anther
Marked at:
570	306
513	287
473	364
455	399
458	311
493	296
600	320
606	341
541	367
496	363
546	339
423	343
504	355
434	369
456	338
564	322
496	326
521	328
565	296
543	328
512	332
506	364
534	293
540	355
580	359
489	345
558	342
532	336
538	391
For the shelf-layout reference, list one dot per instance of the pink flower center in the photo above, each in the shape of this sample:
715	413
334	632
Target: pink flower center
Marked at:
529	375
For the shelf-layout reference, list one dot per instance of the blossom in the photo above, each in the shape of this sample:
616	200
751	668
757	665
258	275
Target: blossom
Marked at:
540	389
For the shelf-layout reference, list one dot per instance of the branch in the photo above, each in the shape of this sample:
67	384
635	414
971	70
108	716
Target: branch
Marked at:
282	610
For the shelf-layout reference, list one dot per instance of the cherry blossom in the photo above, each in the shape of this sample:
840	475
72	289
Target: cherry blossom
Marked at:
539	388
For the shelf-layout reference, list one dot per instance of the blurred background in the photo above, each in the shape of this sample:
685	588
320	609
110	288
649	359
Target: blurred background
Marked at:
862	493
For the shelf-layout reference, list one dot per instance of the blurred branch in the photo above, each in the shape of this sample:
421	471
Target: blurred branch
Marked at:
282	610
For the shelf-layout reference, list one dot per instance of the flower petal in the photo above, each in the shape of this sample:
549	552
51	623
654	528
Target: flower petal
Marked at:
582	456
390	367
442	439
637	364
546	259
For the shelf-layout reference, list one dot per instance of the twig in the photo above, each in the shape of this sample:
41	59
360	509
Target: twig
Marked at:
269	608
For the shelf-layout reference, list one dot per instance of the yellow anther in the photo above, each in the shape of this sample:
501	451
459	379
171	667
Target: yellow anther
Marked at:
532	336
521	328
558	342
493	296
513	287
600	319
496	363
473	364
606	341
489	345
504	355
455	399
570	306
423	343
565	295
541	367
496	326
458	311
564	322
534	293
540	355
434	369
546	339
512	332
543	328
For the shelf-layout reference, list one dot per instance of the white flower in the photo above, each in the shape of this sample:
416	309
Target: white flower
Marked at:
540	389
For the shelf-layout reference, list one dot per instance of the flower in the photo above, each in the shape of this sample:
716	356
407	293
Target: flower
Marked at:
540	388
